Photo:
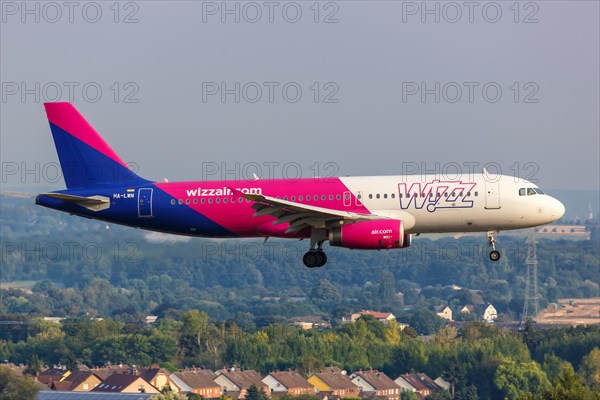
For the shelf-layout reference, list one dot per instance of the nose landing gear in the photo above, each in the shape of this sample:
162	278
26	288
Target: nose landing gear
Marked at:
494	254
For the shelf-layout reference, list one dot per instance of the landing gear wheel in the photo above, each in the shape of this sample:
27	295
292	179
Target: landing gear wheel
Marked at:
322	258
310	259
495	255
314	258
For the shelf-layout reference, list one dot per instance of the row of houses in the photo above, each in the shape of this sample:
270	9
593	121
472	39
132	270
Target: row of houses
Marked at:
485	312
329	383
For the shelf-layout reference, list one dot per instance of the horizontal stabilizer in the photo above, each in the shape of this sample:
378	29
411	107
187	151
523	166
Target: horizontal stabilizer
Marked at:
94	203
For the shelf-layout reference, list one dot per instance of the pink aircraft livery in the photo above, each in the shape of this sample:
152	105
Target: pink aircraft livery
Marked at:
367	213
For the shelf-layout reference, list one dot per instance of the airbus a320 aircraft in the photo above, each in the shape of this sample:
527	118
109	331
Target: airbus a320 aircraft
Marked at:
369	213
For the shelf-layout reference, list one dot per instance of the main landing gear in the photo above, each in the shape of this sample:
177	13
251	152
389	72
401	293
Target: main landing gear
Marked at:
494	254
315	257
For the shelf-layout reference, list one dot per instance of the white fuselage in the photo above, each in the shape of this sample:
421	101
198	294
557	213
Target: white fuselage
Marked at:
427	204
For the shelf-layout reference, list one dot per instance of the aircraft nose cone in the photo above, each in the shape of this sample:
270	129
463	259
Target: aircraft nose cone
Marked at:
557	210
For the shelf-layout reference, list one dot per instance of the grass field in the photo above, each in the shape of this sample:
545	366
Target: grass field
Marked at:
572	312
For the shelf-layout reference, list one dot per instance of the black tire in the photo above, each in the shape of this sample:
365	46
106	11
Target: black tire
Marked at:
322	258
310	259
495	255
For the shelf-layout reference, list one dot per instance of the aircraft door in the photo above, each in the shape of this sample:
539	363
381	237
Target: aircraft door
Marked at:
145	202
492	195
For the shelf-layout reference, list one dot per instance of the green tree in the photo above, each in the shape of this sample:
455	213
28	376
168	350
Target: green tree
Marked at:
256	393
169	395
426	322
568	385
589	369
13	387
517	380
408	395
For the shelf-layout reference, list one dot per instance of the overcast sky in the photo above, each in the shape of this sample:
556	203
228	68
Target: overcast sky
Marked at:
385	88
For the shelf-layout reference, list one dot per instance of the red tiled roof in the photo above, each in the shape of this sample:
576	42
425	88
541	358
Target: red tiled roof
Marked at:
51	375
198	379
243	379
116	383
291	379
335	379
376	314
420	382
377	379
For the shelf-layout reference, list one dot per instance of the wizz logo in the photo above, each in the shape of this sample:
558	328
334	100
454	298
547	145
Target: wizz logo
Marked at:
436	194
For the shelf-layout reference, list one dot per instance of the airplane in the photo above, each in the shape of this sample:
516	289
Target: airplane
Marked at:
368	213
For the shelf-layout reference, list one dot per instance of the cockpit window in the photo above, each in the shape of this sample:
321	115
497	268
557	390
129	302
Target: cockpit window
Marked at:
538	191
522	192
530	191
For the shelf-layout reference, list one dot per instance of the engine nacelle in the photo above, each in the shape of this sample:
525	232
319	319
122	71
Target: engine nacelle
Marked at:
370	235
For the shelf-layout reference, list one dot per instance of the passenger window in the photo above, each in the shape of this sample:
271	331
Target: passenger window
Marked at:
377	195
180	201
393	196
300	198
218	200
195	201
323	197
370	196
173	202
330	197
338	197
476	194
187	201
209	201
293	198
359	196
385	195
225	200
203	201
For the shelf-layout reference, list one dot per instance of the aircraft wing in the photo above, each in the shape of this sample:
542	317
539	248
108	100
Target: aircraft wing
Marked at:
301	216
